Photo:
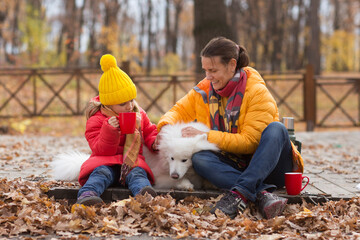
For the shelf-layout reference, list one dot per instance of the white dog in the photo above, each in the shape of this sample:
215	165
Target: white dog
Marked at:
172	165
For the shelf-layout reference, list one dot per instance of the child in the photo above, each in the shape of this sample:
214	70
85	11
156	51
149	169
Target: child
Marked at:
106	165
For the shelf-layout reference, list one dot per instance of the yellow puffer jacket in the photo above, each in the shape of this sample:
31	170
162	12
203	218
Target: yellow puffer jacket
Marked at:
258	109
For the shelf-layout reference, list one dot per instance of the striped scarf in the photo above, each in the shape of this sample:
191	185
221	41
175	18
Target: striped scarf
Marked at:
225	118
219	115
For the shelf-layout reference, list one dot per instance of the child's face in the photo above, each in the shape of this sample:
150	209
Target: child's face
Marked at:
123	107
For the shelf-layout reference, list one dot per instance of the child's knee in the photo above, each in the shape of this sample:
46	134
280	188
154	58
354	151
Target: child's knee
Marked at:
138	172
104	170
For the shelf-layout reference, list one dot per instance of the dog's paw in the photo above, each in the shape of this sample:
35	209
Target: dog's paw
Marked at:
185	184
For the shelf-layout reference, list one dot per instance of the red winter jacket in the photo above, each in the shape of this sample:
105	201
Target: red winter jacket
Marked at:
107	144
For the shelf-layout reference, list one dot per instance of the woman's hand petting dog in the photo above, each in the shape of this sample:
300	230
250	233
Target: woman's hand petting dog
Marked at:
191	132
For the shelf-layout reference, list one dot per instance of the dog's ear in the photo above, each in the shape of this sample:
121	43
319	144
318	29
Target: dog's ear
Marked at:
202	143
202	137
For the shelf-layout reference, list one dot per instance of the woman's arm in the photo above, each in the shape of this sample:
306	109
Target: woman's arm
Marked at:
258	111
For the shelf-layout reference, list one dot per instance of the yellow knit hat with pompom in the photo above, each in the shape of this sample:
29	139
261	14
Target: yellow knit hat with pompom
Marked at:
115	86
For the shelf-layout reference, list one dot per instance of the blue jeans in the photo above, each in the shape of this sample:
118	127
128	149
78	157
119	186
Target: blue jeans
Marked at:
104	176
267	168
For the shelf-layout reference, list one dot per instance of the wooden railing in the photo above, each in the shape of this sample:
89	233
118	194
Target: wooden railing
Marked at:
346	101
65	92
33	92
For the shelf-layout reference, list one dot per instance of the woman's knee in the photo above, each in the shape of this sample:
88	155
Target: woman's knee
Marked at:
276	129
200	159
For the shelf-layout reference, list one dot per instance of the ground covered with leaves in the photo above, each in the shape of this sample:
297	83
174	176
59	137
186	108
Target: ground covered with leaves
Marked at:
25	210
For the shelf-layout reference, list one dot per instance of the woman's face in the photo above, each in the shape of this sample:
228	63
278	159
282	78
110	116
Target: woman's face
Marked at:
123	107
218	73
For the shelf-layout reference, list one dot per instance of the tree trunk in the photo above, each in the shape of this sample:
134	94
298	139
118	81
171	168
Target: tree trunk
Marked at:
167	28
178	9
313	53
268	33
150	38
233	11
92	49
15	41
277	35
3	16
70	9
156	42
210	22
79	32
254	29
296	56
141	35
337	20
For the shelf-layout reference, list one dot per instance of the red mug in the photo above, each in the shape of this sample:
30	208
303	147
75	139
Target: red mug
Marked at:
127	122
293	182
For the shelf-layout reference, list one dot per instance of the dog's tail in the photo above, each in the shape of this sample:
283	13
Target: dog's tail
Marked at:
66	166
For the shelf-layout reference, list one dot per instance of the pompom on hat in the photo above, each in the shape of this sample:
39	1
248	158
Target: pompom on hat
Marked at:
115	86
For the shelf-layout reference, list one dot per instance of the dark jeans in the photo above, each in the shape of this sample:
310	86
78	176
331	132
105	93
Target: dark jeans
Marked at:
104	176
267	168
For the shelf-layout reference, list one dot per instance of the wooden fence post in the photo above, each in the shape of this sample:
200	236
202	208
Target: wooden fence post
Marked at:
174	81
309	98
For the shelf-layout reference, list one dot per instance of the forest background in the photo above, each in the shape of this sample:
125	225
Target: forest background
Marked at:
166	36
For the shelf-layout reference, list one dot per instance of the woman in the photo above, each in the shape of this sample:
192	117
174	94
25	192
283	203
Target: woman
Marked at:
243	116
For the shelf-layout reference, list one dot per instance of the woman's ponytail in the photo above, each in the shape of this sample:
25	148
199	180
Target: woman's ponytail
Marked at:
243	58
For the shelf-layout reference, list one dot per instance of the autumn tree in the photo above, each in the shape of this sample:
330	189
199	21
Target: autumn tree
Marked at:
67	34
92	47
109	28
339	52
172	30
150	36
34	31
294	56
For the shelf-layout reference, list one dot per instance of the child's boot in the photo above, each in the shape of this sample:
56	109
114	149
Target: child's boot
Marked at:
148	189
89	198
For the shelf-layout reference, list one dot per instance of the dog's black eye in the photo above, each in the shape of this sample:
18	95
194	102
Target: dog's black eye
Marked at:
184	160
172	158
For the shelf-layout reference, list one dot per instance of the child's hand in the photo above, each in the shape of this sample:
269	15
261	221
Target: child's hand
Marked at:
155	145
113	121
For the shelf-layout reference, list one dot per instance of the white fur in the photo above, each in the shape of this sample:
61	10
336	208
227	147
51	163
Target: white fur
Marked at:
66	166
172	166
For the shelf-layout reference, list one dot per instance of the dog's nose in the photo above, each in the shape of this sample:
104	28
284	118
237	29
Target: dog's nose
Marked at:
175	175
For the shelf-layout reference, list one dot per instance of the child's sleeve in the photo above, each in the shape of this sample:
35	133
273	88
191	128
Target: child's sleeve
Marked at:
103	139
149	131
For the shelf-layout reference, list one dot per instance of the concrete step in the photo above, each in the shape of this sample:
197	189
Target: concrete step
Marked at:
115	194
